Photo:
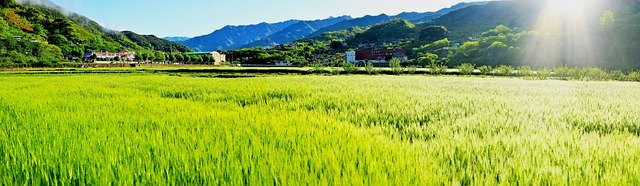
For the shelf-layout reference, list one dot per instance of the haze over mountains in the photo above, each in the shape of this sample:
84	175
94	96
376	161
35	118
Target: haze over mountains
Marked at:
176	38
266	34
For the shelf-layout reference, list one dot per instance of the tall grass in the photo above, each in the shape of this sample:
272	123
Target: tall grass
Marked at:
317	130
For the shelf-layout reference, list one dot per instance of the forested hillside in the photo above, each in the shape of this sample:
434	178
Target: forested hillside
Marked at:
392	31
153	42
536	33
32	34
516	33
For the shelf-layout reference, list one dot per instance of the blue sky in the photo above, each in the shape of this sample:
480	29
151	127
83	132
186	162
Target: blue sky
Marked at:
199	17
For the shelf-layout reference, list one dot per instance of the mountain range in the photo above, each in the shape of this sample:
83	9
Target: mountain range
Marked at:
266	34
296	31
232	37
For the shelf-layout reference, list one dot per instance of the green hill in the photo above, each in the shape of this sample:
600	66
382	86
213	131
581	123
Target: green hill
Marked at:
478	19
34	34
392	31
511	33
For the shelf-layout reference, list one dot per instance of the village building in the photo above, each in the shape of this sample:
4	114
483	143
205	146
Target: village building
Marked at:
351	56
284	63
218	58
376	55
110	56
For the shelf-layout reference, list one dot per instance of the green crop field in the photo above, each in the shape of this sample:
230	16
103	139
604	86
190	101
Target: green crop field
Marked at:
126	129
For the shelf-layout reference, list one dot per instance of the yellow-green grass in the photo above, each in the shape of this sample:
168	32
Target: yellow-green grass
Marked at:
318	130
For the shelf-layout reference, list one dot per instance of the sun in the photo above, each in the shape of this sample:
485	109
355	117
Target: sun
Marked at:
563	34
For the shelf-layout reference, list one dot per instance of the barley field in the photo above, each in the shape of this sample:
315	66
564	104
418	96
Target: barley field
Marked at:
129	129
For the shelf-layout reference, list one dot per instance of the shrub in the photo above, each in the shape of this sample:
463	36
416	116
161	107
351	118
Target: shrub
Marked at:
438	68
412	69
349	67
525	71
505	70
466	68
371	69
317	68
485	70
575	73
428	59
634	76
543	73
597	74
336	70
395	66
618	75
562	72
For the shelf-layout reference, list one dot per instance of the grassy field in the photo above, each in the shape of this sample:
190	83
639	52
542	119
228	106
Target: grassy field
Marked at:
320	130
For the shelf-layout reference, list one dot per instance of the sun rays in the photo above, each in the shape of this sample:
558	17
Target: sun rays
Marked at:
564	34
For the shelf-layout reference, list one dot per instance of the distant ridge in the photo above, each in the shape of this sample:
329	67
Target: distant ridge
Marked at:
297	31
232	37
358	22
176	38
265	34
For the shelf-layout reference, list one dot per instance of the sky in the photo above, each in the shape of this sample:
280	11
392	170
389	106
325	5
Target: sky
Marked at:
200	17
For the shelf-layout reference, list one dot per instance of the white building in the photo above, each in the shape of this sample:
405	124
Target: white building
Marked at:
351	56
218	58
123	56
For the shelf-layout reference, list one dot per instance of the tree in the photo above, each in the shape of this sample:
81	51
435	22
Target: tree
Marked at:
200	59
138	56
433	33
179	57
144	56
438	45
152	57
336	45
187	58
159	56
469	48
501	29
607	19
427	59
7	3
58	39
172	57
196	59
